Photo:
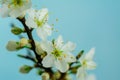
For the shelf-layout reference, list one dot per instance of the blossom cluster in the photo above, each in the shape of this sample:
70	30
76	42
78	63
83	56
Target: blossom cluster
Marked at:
50	54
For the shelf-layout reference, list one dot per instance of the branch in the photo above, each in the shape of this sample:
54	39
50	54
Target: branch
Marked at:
29	34
27	57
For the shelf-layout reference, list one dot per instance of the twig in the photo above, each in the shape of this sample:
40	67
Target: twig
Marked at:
29	33
27	57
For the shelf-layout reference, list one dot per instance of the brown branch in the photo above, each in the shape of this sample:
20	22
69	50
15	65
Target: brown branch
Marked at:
29	33
27	57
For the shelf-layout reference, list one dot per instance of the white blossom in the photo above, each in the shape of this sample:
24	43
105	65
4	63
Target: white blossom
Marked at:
58	54
87	63
14	8
38	19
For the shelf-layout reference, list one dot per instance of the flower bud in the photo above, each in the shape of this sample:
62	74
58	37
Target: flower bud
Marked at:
67	77
38	48
57	75
12	46
45	76
23	42
16	30
25	69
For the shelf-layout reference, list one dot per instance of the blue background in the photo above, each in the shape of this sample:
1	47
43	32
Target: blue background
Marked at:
88	23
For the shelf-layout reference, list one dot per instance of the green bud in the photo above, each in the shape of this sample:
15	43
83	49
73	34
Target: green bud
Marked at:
80	54
45	76
16	30
25	69
57	75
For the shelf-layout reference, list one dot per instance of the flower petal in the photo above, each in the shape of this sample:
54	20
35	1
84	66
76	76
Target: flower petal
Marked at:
4	11
43	32
91	65
70	58
31	13
48	61
81	74
90	54
91	77
68	47
43	14
46	46
48	29
59	42
18	11
30	23
61	65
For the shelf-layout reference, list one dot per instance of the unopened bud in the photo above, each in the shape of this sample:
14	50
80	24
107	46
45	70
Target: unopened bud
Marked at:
39	50
45	76
25	69
16	30
23	42
57	75
12	46
67	77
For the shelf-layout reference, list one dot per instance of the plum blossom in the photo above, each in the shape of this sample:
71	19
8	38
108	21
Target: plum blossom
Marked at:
14	8
87	63
38	19
58	54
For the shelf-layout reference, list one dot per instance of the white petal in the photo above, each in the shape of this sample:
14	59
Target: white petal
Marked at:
90	54
31	13
91	77
91	65
27	5
43	14
15	13
59	42
4	11
48	61
46	46
70	58
48	29
30	23
18	11
81	74
68	47
42	33
61	65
